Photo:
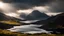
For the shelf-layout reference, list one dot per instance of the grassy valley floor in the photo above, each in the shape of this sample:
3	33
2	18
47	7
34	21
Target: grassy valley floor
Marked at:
8	33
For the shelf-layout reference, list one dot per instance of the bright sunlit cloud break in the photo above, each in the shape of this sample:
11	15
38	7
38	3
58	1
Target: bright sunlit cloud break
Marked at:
25	11
12	14
6	7
1	4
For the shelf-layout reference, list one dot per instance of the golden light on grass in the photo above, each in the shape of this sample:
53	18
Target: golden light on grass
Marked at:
10	22
9	33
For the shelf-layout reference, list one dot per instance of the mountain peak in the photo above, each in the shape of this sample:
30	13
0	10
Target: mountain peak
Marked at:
36	11
37	15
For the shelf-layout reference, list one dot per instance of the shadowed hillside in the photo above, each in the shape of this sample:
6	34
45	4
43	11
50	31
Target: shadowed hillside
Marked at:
7	21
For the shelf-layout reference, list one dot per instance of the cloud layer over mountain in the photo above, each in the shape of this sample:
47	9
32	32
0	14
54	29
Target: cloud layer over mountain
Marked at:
29	5
56	5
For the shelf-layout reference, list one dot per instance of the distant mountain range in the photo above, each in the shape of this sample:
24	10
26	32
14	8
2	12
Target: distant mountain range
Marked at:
35	15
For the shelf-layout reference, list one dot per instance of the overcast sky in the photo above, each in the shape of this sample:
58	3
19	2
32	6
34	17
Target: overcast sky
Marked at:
17	7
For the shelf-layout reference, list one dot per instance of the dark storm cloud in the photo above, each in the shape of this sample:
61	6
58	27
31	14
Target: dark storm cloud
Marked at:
25	4
21	5
33	2
55	5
